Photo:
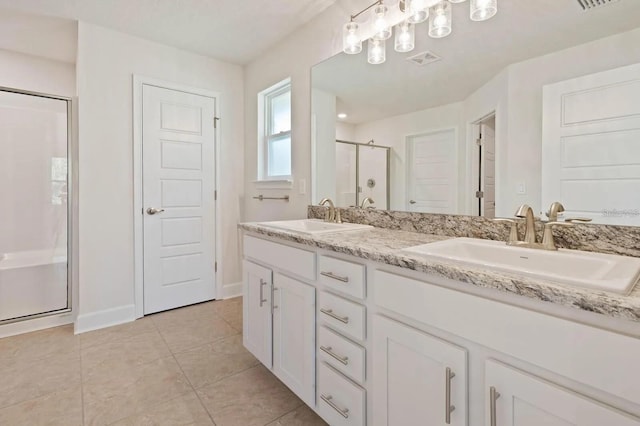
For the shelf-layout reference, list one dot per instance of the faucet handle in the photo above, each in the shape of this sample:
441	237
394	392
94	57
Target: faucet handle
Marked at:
578	219
513	232
548	242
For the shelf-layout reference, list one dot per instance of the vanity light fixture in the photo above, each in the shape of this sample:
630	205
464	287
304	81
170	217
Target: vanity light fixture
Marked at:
377	52
409	13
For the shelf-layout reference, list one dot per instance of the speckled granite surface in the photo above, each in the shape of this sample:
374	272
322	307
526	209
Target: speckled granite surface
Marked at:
384	246
612	239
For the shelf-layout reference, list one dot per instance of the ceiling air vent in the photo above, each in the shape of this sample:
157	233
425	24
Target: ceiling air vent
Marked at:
592	4
424	58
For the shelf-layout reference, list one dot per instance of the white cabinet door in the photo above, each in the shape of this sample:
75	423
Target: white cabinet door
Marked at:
417	378
257	321
515	398
294	337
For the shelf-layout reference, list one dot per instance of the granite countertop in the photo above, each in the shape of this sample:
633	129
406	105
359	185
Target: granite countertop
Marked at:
384	246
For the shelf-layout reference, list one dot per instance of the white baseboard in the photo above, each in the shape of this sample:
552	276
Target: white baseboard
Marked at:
106	318
230	291
27	326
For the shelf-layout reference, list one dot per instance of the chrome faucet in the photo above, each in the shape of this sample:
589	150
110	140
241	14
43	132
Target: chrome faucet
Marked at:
365	201
332	214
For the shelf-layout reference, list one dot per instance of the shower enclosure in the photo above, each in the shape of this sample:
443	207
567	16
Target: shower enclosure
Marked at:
362	170
34	205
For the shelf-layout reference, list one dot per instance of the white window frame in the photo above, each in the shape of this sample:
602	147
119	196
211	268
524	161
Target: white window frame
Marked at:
265	135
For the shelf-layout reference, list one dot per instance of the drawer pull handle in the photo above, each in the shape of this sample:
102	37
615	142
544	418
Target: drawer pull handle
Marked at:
448	408
329	351
335	277
262	299
330	313
329	400
493	396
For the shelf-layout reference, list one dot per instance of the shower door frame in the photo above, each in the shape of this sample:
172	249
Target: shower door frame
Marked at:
71	179
388	171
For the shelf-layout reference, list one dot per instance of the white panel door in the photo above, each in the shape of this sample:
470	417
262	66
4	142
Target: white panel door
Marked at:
294	336
591	146
488	176
178	197
257	333
432	185
524	400
413	376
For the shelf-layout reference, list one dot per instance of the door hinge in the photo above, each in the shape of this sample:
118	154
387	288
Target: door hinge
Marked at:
215	267
479	194
479	141
215	195
215	122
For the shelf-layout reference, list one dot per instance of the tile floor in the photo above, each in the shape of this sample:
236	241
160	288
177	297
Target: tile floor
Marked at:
181	367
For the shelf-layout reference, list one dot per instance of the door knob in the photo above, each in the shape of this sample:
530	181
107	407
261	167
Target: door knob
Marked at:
152	211
412	202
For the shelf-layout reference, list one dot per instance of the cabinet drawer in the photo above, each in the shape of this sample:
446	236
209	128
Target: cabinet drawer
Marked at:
340	402
343	276
342	354
341	315
294	260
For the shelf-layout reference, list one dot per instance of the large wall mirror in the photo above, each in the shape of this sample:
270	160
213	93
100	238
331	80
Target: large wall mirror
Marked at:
539	104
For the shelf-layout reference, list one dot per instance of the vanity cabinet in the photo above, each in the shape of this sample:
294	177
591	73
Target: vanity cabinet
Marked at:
256	304
363	343
294	335
418	379
279	313
515	398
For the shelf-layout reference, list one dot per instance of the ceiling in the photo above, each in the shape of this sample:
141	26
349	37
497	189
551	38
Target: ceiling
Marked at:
231	30
471	55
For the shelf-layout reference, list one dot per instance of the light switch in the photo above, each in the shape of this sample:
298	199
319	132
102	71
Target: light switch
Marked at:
302	186
521	188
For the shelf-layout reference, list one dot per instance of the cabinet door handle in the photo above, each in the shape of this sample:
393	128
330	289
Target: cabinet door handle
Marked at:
262	299
335	277
273	300
493	397
329	351
344	412
448	408
330	313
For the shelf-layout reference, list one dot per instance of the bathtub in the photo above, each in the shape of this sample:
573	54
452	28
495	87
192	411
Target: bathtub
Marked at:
32	282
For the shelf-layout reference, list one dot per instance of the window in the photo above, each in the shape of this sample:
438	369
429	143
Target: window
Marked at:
275	129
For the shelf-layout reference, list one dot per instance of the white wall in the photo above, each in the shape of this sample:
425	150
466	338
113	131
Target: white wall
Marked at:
293	57
393	132
36	74
106	63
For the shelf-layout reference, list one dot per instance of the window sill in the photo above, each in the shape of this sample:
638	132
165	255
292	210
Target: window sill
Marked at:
274	184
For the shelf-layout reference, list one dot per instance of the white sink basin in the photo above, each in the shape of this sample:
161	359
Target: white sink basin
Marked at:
314	226
617	274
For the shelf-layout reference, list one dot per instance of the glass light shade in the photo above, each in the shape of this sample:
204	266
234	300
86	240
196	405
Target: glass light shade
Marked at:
351	43
376	53
481	10
405	37
381	24
417	11
440	20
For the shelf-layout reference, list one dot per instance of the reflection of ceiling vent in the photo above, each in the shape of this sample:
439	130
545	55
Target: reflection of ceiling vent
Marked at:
424	58
592	4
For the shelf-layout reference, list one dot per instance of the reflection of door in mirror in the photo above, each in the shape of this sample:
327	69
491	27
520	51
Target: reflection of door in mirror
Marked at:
432	172
486	177
346	181
591	146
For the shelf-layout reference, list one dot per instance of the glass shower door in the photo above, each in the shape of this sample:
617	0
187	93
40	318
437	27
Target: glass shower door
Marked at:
34	204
